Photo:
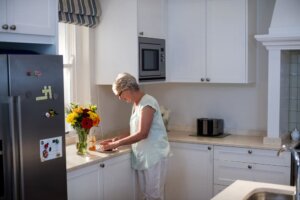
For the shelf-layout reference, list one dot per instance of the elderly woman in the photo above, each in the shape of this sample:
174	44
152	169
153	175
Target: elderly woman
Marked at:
148	137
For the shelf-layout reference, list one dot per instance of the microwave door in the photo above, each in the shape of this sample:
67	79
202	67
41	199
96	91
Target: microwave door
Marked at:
150	60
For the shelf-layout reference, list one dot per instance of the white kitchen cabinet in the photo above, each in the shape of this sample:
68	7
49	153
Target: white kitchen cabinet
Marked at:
30	21
211	41
85	184
151	18
116	38
112	179
233	163
190	172
186	40
118	179
231	47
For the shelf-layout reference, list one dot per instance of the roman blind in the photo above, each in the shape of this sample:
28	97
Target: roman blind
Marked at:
79	12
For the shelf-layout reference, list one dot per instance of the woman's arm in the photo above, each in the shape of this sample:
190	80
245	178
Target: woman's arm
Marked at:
106	141
143	131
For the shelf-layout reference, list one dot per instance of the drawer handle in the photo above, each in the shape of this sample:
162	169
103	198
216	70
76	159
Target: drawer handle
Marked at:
102	165
209	148
13	27
249	167
5	26
250	151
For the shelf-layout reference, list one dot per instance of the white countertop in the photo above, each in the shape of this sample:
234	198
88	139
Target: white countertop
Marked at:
75	161
231	140
241	190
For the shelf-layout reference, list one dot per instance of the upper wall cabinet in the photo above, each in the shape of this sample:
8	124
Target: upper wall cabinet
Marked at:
151	18
30	21
186	40
117	35
231	46
211	41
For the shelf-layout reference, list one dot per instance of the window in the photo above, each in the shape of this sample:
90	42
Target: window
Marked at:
74	44
67	48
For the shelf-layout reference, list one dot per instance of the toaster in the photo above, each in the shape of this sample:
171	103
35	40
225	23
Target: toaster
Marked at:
210	127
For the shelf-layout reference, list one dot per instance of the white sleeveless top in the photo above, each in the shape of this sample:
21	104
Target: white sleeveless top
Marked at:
149	151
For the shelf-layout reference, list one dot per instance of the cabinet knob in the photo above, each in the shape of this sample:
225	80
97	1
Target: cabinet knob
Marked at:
249	151
209	148
249	167
5	26
207	79
102	165
141	33
202	79
13	27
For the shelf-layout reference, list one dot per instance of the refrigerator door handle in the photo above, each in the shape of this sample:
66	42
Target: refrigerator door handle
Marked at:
16	145
14	175
19	125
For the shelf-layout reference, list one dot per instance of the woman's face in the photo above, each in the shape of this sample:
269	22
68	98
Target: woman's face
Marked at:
126	96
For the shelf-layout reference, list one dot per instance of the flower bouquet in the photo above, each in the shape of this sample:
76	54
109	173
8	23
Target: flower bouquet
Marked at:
82	119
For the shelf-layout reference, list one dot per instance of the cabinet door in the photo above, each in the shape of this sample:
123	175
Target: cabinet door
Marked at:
38	17
190	172
151	18
3	20
226	41
186	40
84	184
116	41
118	179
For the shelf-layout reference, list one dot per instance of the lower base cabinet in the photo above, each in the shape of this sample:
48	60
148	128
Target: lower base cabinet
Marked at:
112	179
261	165
190	172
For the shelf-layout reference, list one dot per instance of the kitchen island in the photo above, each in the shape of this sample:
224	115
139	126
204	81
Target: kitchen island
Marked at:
241	190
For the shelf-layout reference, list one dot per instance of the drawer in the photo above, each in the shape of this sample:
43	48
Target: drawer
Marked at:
226	172
219	188
252	155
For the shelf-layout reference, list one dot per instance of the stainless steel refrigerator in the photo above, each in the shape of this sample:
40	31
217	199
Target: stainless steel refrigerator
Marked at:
32	133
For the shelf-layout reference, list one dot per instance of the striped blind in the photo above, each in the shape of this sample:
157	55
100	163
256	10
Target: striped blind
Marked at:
79	12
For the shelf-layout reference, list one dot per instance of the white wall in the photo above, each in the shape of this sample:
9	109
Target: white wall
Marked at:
243	107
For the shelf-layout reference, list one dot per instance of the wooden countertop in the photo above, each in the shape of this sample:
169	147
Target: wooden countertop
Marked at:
241	190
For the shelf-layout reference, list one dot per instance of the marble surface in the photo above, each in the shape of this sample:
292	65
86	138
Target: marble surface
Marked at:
241	190
231	140
75	161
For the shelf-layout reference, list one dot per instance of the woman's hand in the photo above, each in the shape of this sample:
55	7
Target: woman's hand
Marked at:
108	146
108	140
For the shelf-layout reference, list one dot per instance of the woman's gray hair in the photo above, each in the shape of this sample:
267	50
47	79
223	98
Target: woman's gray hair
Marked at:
124	81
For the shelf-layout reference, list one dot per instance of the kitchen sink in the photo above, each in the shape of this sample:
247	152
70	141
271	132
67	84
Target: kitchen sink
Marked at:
270	196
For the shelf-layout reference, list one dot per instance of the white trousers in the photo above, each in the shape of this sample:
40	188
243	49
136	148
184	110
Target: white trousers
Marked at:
152	181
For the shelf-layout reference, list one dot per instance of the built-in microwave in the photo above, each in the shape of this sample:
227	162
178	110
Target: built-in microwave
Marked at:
152	59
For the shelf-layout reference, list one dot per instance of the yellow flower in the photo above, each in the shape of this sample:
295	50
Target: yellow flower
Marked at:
94	117
71	118
78	110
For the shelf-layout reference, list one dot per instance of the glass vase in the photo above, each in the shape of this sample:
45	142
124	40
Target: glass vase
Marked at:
82	143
